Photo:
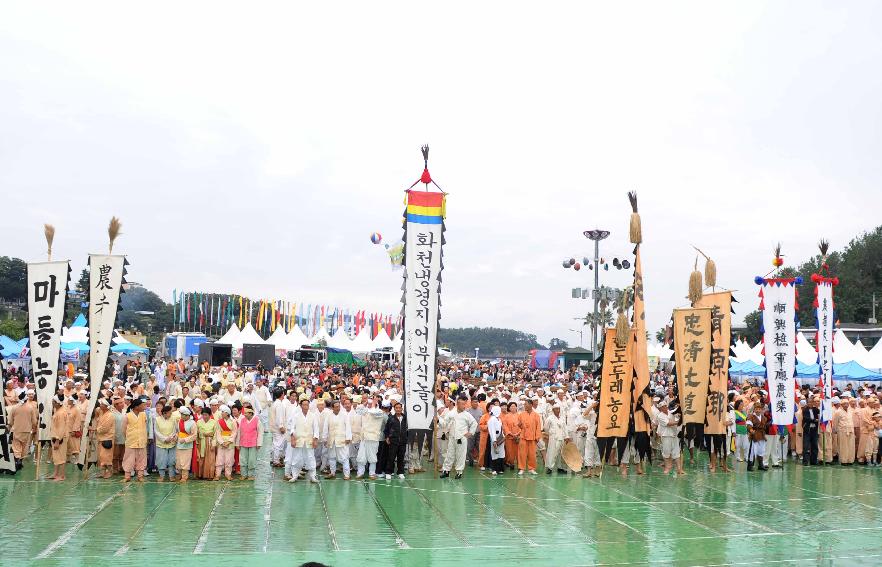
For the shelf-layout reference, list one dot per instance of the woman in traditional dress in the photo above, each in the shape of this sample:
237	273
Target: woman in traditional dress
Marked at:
207	428
496	439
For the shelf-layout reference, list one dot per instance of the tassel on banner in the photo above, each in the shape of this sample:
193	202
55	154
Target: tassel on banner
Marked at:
623	330
695	289
635	230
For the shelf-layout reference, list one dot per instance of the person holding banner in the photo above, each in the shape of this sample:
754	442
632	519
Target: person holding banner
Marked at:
59	435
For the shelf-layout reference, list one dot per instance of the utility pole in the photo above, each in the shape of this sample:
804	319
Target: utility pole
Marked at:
872	320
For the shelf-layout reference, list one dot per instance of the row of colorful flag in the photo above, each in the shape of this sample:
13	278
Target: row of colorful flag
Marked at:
214	313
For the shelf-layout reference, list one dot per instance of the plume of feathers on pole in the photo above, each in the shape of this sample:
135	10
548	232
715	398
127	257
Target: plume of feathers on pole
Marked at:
695	289
49	232
636	232
113	231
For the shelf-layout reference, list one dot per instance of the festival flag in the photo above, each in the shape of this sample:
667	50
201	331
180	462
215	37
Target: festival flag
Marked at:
424	230
47	291
692	352
106	278
720	304
616	376
778	326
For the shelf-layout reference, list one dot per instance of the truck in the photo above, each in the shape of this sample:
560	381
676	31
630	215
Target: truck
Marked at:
182	345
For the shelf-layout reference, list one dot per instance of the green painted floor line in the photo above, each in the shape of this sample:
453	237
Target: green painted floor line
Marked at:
809	515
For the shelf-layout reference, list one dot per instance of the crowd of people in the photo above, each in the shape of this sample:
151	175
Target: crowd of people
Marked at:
181	420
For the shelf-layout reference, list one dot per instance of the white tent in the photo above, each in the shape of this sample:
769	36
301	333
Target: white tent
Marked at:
805	352
362	343
340	340
398	341
231	337
295	339
873	359
382	340
321	334
843	349
278	339
75	335
756	354
249	336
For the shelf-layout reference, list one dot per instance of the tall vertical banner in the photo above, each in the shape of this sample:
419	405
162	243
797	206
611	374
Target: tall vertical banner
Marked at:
615	387
424	239
692	356
824	340
720	304
105	285
47	292
641	357
778	307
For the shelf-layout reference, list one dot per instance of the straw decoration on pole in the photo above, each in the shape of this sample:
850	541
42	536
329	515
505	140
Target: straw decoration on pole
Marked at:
695	288
49	232
636	233
113	231
710	269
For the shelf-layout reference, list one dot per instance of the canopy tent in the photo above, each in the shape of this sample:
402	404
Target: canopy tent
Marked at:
231	337
843	349
340	340
79	346
80	321
741	351
873	360
362	342
75	333
320	335
249	336
398	342
278	339
128	348
805	352
852	371
861	354
382	340
295	339
10	348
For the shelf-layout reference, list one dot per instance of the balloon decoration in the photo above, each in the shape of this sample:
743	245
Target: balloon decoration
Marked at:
572	261
577	266
376	237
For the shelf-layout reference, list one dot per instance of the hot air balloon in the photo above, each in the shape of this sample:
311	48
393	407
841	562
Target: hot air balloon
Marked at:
376	237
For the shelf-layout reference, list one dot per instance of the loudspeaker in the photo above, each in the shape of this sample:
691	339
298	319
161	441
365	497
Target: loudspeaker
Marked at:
266	354
215	353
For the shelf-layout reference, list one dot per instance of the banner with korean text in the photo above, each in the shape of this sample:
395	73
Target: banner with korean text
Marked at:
615	387
720	304
692	354
778	307
105	285
424	239
824	340
47	292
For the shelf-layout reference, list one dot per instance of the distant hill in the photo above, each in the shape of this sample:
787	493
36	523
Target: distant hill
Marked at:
493	342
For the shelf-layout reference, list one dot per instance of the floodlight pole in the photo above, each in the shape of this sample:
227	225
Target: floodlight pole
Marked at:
596	235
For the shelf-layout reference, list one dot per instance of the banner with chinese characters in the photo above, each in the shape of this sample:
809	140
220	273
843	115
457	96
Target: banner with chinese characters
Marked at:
105	284
47	292
720	304
7	459
423	237
692	354
615	387
824	341
778	307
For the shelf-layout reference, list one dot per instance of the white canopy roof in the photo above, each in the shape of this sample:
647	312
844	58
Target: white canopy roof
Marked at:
322	333
805	352
279	338
873	360
382	340
340	340
362	342
249	336
398	341
75	335
231	337
741	351
843	349
295	339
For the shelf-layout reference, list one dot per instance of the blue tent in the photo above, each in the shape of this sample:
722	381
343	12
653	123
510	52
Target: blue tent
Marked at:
127	348
854	371
80	321
82	347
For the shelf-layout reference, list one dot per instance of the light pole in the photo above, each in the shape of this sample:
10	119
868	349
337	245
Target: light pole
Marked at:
477	349
581	332
596	235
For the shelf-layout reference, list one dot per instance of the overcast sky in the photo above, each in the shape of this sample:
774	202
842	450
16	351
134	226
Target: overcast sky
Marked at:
252	148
